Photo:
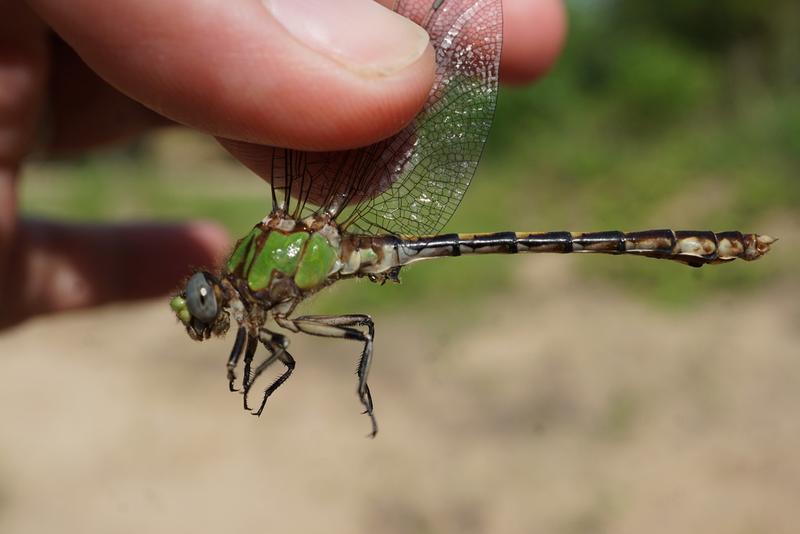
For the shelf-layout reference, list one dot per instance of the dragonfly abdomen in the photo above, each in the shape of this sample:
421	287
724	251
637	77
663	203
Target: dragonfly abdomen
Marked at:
694	248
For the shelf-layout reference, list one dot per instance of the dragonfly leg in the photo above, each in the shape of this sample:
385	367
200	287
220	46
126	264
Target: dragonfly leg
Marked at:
249	352
236	352
271	342
276	345
343	327
272	358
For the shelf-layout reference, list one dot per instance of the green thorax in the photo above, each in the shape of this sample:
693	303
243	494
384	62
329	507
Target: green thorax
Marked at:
305	256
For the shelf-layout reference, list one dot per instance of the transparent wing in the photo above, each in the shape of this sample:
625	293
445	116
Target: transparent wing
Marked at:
413	182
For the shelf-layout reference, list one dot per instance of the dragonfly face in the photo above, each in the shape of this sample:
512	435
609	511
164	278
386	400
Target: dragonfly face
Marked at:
201	307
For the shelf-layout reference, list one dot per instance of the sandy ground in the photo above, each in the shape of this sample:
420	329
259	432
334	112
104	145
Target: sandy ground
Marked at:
575	409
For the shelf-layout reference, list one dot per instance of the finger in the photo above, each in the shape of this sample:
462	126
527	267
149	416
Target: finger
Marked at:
60	267
23	67
533	36
524	57
85	111
257	70
23	72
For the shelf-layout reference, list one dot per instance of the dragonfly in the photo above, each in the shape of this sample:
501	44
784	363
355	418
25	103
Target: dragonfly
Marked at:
368	212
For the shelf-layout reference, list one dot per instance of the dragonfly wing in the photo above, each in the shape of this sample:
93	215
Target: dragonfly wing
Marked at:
412	182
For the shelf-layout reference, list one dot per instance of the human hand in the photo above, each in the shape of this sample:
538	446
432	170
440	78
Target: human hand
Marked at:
229	69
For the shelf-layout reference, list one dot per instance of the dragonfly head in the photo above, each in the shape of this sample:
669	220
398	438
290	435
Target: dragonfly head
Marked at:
201	307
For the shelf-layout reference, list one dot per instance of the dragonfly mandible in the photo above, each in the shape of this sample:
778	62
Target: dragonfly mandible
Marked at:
370	211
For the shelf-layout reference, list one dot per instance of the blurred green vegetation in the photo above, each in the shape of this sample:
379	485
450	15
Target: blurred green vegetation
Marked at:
677	114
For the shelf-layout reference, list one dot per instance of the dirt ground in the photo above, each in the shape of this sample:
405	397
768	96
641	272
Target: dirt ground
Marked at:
564	408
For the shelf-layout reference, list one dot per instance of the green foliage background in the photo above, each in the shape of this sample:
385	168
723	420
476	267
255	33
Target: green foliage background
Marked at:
678	114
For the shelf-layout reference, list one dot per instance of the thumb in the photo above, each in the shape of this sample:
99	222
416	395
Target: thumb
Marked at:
306	74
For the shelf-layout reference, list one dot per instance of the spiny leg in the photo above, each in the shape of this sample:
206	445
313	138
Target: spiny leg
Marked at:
249	352
276	344
272	341
343	327
270	359
236	352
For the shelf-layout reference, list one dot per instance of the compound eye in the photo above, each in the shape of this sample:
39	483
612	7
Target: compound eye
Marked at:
200	298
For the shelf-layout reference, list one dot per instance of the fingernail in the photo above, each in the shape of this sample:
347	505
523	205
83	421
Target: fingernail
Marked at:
360	34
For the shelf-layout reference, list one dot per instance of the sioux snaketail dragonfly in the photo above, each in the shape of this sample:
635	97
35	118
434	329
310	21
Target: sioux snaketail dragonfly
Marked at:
368	212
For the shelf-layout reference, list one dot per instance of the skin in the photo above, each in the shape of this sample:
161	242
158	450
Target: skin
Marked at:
96	92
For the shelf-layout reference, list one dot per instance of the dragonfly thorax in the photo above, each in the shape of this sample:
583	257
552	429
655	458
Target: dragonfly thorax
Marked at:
281	257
